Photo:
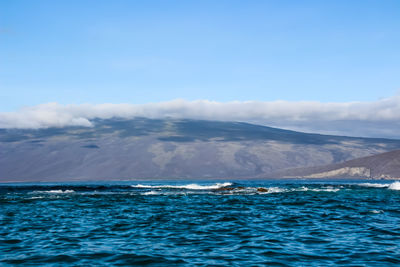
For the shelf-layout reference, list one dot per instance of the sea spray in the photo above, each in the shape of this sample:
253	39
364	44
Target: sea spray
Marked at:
395	186
188	186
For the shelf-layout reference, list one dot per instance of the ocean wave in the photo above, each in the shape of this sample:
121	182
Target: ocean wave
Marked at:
226	189
276	190
55	192
376	185
323	189
376	211
188	186
150	193
394	186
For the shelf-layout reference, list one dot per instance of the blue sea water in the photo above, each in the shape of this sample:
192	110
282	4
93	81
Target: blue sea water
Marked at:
289	223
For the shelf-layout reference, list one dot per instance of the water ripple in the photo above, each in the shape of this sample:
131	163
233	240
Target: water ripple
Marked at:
282	224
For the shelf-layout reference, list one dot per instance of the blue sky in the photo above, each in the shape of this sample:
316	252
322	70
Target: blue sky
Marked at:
74	52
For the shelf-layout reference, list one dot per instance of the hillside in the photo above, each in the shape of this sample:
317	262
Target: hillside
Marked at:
140	148
381	166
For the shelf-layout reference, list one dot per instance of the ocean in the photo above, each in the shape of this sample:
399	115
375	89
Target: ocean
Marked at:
229	223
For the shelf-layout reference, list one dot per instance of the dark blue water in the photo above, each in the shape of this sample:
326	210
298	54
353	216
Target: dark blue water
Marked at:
293	223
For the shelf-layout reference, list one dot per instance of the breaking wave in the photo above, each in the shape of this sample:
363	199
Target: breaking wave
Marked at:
395	186
323	189
241	223
277	190
188	186
392	186
219	188
150	193
56	191
376	185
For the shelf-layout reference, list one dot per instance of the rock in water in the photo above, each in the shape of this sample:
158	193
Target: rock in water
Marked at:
224	189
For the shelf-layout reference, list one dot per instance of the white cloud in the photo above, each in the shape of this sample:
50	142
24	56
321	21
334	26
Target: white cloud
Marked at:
375	119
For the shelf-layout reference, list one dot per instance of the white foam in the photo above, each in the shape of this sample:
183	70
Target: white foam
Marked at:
303	188
188	186
276	190
246	190
395	186
56	191
376	185
150	193
325	189
376	211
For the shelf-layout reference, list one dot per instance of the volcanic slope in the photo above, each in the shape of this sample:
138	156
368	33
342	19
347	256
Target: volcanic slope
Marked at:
382	166
141	148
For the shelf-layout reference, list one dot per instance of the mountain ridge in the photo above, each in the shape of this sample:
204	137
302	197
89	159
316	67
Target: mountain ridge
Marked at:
142	148
380	166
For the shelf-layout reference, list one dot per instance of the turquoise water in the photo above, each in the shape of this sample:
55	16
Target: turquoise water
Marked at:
295	223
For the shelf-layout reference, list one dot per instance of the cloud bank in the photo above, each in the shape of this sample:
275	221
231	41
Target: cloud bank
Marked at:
371	119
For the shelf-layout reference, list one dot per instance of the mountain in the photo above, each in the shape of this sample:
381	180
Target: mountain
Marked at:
381	166
141	148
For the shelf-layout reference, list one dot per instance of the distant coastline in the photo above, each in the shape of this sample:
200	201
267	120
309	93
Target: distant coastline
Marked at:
174	149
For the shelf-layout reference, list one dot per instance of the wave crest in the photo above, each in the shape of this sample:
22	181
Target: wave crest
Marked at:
188	186
395	186
376	185
56	191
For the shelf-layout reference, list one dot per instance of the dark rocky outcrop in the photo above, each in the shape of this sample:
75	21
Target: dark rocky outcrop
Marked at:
262	190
